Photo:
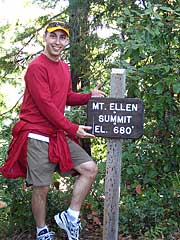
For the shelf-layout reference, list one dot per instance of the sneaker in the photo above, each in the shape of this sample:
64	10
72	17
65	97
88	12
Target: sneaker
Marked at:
45	235
72	229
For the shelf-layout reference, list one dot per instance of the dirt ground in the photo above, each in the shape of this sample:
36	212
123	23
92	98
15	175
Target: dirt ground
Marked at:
86	234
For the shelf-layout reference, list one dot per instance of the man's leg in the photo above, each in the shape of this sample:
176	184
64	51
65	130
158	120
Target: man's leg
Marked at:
87	169
83	183
39	195
69	220
39	175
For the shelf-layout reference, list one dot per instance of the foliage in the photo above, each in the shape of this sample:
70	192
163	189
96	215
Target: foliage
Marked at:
144	39
151	55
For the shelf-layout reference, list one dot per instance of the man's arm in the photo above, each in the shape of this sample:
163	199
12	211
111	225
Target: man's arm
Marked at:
75	99
81	132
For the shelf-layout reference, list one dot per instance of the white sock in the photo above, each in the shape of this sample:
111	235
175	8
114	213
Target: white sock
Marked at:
39	229
73	214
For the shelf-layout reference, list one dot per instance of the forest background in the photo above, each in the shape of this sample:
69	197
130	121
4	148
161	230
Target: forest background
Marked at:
141	37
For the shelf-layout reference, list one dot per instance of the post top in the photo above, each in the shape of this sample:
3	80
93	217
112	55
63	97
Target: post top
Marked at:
118	71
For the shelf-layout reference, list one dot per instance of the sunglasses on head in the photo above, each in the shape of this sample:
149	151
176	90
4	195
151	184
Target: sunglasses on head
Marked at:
56	24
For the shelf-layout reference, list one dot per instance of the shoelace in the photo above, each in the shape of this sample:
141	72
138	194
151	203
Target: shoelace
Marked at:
75	228
46	236
52	235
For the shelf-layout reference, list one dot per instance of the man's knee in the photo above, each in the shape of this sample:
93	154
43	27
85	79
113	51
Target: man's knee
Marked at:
94	169
40	190
89	169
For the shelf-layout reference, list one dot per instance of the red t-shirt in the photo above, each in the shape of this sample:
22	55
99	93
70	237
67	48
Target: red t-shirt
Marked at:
48	91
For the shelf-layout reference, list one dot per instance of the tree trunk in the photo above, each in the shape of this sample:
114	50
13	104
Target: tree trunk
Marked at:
80	66
79	30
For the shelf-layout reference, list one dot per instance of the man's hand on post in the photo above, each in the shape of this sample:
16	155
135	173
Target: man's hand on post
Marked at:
81	132
96	92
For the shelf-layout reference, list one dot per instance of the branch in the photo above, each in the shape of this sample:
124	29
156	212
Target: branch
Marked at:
25	45
4	113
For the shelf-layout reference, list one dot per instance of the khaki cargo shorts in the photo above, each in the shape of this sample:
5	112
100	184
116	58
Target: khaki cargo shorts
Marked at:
40	170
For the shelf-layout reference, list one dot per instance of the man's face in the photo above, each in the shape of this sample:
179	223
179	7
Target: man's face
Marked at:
55	43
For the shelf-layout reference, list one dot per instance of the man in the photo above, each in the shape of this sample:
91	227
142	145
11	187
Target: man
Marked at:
44	139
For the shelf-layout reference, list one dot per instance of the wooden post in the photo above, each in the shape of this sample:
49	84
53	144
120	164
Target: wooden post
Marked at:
113	167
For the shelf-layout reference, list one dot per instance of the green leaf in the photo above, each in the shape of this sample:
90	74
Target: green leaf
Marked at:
126	11
159	88
168	9
120	20
176	87
129	170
